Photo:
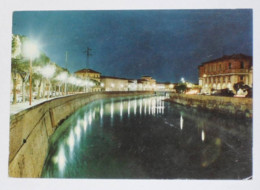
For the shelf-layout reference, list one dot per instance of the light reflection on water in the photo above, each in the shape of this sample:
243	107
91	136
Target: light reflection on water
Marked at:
149	138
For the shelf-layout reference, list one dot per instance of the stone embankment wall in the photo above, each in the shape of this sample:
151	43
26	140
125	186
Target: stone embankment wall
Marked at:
241	107
31	129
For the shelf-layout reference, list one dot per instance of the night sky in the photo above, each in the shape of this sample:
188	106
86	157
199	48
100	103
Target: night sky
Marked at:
165	44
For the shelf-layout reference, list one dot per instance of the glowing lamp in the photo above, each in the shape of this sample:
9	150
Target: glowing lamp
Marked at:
30	50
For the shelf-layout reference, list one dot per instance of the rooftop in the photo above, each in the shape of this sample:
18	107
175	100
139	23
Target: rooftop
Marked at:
113	77
87	71
226	57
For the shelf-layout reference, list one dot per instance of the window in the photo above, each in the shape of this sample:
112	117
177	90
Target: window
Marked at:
229	65
242	65
229	79
241	78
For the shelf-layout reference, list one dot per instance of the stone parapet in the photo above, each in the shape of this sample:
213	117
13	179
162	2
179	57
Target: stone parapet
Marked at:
31	129
241	107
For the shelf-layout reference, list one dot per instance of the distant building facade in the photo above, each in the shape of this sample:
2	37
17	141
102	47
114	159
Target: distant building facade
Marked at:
146	83
90	75
132	85
164	86
109	83
224	72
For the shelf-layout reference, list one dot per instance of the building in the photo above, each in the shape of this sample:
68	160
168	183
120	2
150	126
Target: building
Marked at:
160	86
146	83
132	85
109	83
224	72
90	75
169	86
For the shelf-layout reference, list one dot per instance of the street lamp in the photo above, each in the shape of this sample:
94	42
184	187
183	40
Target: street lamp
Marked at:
30	51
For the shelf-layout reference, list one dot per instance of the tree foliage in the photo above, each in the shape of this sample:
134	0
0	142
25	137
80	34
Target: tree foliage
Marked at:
244	87
180	88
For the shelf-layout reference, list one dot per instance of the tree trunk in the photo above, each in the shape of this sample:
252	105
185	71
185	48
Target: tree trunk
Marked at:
49	87
44	86
14	89
39	90
23	90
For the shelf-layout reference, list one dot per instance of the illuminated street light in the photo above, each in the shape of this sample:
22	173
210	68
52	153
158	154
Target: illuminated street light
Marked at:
30	50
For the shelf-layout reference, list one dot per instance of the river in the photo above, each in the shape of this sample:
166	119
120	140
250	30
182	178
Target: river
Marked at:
149	138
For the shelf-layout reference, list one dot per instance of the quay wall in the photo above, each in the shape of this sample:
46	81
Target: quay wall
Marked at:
240	107
31	129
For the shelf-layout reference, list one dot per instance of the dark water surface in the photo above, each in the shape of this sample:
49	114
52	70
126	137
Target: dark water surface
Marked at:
147	137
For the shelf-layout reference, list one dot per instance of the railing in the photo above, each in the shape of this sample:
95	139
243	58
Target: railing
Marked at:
227	71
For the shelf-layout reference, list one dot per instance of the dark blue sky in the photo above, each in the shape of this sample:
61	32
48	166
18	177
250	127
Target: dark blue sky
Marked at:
166	44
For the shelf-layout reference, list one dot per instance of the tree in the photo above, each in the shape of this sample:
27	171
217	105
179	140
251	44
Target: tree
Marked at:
180	88
244	87
18	64
238	86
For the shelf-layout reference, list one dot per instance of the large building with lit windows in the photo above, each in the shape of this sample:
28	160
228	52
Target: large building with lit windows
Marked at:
109	83
91	75
88	74
146	83
224	72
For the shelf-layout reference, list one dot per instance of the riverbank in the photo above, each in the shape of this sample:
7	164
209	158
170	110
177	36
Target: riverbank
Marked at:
240	107
31	129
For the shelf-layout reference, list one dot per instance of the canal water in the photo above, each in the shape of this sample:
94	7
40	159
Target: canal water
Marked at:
149	138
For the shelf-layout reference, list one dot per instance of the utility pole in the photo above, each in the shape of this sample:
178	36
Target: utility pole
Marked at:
88	55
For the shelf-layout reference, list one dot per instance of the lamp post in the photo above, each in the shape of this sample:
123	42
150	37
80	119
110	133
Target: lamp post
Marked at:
31	52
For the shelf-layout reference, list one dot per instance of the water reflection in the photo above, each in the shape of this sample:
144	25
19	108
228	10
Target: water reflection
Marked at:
60	160
71	141
112	110
101	111
85	122
121	110
129	108
181	122
77	131
89	118
137	134
145	103
202	135
135	106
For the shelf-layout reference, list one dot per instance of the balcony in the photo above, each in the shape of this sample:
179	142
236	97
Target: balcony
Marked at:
244	71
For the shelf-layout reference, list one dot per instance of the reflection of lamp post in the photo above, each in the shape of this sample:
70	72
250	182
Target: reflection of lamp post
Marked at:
31	52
